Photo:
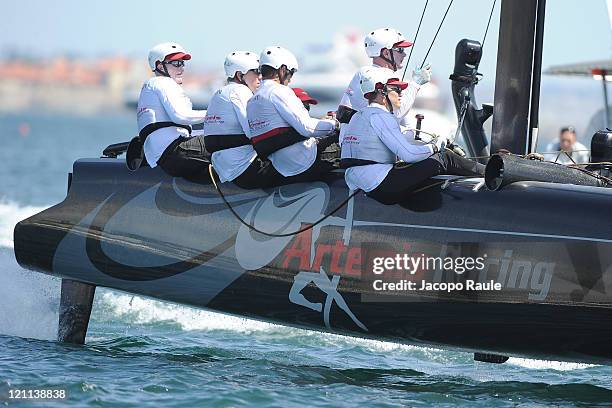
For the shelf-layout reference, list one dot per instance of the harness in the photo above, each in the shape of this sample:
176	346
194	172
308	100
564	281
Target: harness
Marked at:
215	143
346	163
152	127
276	139
264	144
344	114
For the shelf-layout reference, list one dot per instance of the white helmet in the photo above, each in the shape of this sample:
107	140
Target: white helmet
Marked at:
381	38
276	57
163	50
240	61
375	78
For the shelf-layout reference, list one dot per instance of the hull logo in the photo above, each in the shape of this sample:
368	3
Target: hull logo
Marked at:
329	287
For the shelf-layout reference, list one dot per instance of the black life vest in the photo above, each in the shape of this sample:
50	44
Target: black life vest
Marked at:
276	139
344	114
215	143
152	127
346	163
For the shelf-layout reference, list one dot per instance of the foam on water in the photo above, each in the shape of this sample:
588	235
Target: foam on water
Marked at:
10	214
29	301
139	310
547	365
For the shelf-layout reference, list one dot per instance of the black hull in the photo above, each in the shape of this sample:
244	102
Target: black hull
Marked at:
149	234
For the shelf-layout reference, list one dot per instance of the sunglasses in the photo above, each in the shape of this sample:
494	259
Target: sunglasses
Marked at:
399	50
176	64
396	89
255	71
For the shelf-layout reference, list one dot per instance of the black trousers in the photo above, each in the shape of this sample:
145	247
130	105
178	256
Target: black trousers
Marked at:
401	182
262	174
320	167
185	157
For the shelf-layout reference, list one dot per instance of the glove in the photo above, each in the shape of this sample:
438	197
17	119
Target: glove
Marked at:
336	130
422	75
457	150
440	142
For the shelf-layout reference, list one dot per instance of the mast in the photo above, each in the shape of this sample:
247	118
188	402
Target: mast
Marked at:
604	76
517	78
534	115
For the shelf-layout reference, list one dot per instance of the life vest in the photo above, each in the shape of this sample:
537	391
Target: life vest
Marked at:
360	146
215	143
224	126
344	114
164	113
276	139
152	127
151	113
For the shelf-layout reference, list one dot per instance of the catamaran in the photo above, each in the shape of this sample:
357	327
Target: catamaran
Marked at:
301	254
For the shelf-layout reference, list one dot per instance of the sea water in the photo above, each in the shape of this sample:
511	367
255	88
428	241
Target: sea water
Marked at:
142	352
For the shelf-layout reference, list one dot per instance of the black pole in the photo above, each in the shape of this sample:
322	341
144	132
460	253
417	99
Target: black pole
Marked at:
513	77
534	115
604	74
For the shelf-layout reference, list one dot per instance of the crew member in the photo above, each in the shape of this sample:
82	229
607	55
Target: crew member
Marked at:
281	128
227	129
387	48
372	140
567	149
306	99
165	115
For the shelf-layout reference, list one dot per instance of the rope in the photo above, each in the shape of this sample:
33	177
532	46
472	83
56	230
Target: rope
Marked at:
436	36
287	234
566	154
556	151
573	166
590	173
415	39
484	38
269	234
565	151
590	164
427	133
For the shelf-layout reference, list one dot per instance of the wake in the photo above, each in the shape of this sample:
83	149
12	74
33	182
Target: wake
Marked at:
29	301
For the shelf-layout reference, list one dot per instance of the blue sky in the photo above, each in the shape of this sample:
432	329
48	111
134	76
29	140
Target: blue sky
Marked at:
575	31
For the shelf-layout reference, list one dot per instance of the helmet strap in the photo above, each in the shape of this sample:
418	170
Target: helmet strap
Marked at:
390	60
163	72
282	78
239	78
385	92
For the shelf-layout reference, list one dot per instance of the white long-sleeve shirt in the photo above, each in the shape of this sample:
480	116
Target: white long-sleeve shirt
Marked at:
353	98
226	115
374	134
163	100
579	154
275	106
